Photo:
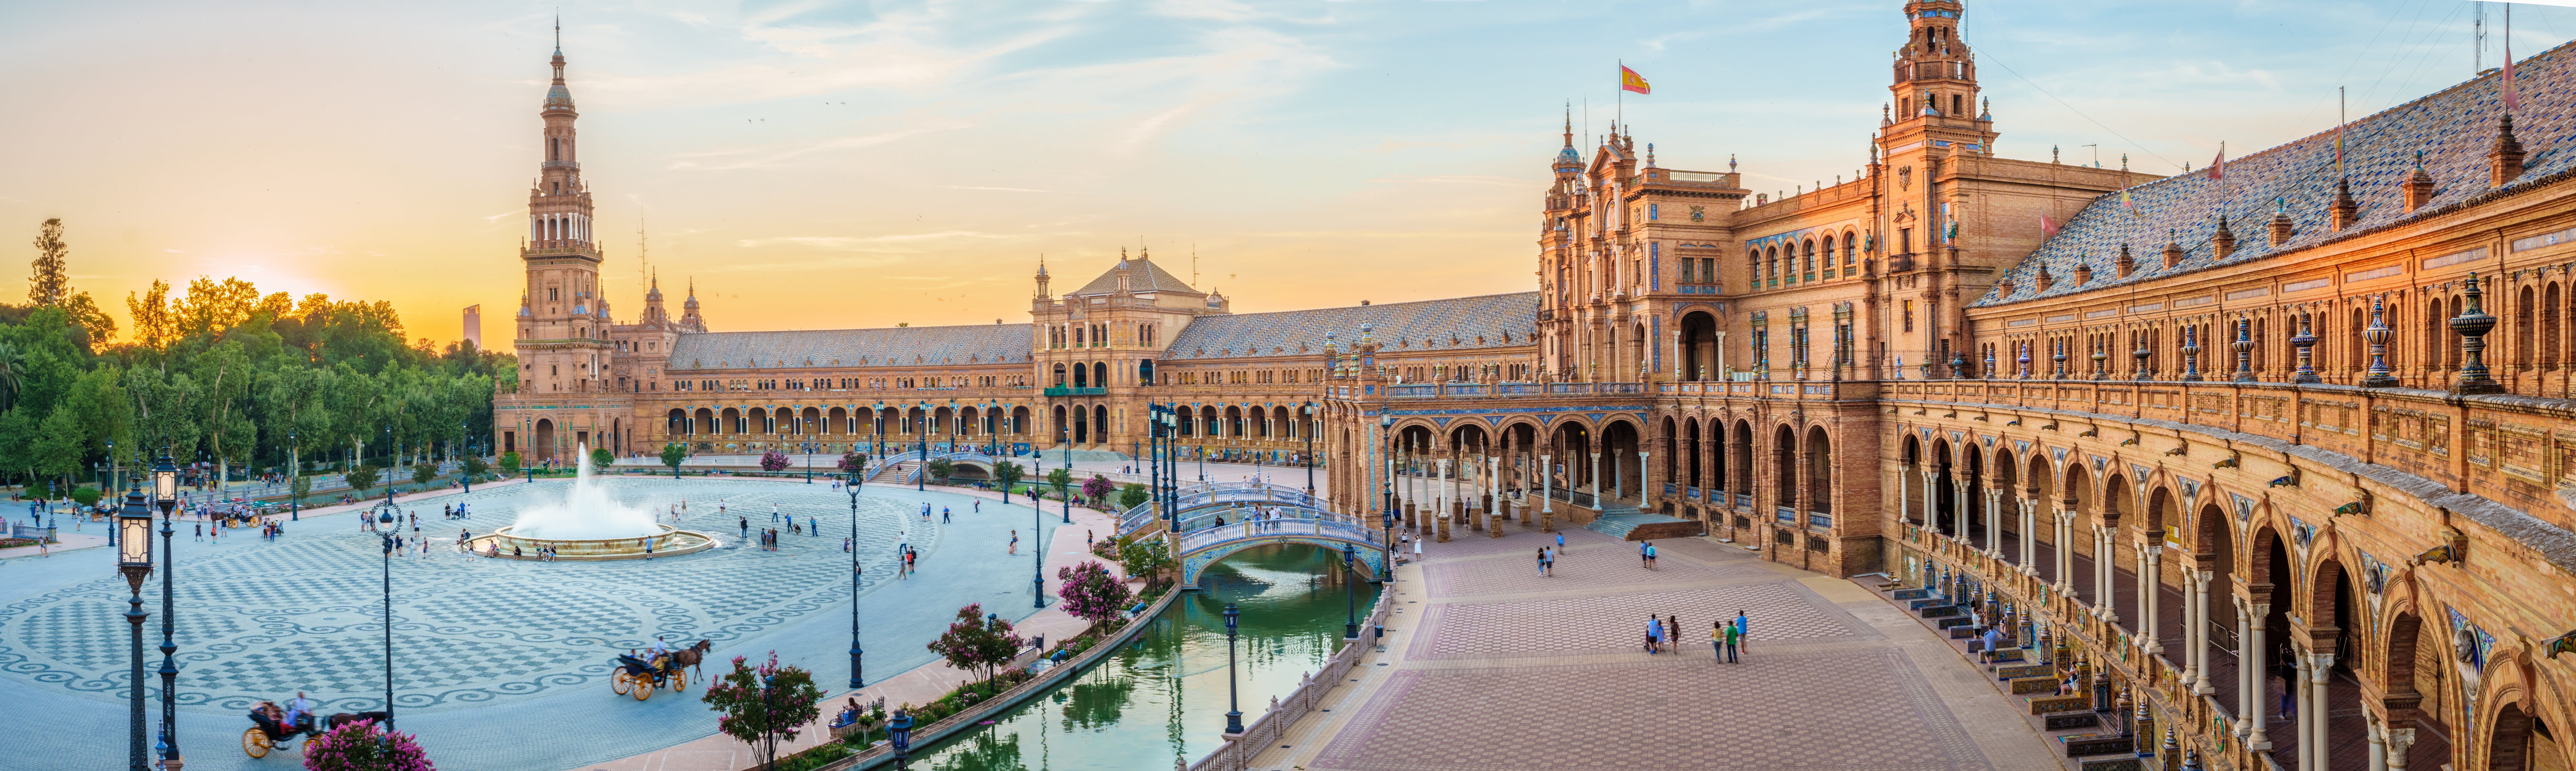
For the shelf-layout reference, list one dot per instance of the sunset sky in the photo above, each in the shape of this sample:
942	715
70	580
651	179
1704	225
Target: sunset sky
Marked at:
823	165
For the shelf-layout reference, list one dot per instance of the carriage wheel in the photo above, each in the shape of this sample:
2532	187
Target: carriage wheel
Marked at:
255	742
620	682
679	679
643	689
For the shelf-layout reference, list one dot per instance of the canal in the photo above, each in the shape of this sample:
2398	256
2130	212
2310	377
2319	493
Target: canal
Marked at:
1163	697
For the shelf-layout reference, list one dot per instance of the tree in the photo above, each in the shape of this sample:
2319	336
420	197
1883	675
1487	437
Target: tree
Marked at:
1098	488
601	459
763	706
940	468
672	455
1091	593
510	463
853	462
358	745
773	460
362	477
421	473
977	643
1146	557
302	486
1133	495
1008	474
51	281
474	466
1060	479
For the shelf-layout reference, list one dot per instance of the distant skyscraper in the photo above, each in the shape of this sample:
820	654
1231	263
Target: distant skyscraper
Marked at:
474	325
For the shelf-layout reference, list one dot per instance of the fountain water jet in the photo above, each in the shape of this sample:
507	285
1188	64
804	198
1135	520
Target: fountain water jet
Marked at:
590	525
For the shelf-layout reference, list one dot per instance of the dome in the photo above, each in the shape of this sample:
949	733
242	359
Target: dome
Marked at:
559	96
1568	157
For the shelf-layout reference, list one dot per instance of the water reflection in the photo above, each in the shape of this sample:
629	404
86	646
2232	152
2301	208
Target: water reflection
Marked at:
1163	697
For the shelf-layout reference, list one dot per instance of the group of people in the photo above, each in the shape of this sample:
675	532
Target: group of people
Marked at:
1725	636
456	511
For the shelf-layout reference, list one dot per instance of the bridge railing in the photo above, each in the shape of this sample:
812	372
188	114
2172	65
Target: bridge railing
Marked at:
1234	531
1205	518
1273	724
1200	496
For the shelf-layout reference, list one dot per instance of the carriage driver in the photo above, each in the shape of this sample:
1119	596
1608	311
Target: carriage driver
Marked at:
657	653
298	710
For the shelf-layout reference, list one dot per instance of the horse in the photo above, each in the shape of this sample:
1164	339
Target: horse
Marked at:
691	656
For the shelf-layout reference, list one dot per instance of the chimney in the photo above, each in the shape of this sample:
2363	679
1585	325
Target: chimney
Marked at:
2419	186
2045	280
2280	221
2083	274
2343	211
2126	263
2504	163
2173	246
2224	243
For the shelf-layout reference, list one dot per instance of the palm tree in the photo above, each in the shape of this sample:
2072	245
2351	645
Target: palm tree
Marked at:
11	364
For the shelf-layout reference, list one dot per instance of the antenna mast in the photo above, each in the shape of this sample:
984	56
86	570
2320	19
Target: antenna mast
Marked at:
2478	48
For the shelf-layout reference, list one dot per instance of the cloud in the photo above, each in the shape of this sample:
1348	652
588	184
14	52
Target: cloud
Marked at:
862	243
1001	189
773	156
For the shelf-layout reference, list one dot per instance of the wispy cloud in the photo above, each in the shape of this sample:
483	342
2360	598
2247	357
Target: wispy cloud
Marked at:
774	155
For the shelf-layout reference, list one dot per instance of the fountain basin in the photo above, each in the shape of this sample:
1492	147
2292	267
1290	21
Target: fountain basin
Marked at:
668	541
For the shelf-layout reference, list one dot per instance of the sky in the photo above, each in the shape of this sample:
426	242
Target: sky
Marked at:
820	165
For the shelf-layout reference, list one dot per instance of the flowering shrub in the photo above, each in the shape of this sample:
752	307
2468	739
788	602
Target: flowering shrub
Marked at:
773	460
1097	488
976	642
762	719
1092	594
357	746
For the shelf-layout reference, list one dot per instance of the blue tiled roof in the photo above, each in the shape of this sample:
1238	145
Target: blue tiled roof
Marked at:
2453	128
898	346
1458	323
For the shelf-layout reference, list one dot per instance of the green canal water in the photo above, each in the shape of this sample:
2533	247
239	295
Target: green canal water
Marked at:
1163	697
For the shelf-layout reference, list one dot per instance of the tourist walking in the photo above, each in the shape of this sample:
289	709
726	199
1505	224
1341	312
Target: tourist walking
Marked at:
1015	542
943	515
1542	561
813	525
1645	554
1743	631
746	528
979	506
1654	634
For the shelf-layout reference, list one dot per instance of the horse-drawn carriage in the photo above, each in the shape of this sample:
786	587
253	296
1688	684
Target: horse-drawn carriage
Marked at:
269	729
638	676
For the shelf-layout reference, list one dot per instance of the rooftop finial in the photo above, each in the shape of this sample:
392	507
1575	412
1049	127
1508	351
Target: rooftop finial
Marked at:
558	33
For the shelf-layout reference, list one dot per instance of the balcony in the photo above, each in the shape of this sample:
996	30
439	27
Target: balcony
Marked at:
1065	391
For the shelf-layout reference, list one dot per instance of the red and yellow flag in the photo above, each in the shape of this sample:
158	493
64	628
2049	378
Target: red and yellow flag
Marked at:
1629	80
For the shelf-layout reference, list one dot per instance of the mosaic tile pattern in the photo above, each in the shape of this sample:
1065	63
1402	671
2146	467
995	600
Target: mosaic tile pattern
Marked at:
303	613
1792	712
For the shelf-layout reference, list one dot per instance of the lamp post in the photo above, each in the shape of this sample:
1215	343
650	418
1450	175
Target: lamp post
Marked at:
809	479
1351	599
134	562
856	680
166	493
294	470
387	536
461	472
1233	714
1068	472
1386	450
899	734
1037	543
1309	430
921	429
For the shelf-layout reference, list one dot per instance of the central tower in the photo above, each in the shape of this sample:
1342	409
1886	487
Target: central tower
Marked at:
563	323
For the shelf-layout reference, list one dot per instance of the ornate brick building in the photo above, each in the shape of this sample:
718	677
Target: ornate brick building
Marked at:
2309	416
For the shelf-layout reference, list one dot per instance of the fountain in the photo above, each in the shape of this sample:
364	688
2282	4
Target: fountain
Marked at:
589	525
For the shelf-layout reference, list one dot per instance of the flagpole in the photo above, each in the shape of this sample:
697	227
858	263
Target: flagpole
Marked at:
1620	107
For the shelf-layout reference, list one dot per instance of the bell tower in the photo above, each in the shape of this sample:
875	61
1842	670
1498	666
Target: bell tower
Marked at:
563	325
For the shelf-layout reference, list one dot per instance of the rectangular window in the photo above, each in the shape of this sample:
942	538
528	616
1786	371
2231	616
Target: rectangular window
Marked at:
1654	211
1655	266
1909	316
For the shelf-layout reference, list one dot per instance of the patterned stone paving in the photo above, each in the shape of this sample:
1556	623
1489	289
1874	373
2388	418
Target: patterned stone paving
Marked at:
1591	565
1850	710
302	613
1781	611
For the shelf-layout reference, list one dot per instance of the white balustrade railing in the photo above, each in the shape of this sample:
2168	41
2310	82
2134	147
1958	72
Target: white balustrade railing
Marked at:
1237	752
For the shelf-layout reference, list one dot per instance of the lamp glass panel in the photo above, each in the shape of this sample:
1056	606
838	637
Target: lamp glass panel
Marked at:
134	542
165	483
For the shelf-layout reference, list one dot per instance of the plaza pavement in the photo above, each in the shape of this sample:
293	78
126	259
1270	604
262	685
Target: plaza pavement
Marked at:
500	664
1488	666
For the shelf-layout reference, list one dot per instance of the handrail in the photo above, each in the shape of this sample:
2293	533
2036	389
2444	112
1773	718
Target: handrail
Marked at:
1234	531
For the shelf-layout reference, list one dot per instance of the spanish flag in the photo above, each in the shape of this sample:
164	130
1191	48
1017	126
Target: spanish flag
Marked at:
1629	80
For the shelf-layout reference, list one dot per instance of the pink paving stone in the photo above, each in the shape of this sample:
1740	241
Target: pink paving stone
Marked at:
1851	710
1594	566
1780	611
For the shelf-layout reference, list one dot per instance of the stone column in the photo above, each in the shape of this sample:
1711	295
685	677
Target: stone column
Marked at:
2254	658
1443	500
1547	493
2301	695
2400	740
2106	565
2315	713
2200	628
2149	585
1645	482
1959	509
2065	515
1931	509
1904	503
2029	540
1494	488
1618	481
2378	742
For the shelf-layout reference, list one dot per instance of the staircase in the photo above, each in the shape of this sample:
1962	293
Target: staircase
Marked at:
897	472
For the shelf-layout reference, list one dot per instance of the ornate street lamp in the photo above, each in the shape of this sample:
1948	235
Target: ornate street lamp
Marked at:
1233	713
134	561
387	538
166	486
468	476
1351	600
921	430
856	681
899	734
1037	541
294	469
1309	430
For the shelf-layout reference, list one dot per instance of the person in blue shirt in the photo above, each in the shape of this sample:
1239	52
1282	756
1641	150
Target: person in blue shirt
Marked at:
1743	631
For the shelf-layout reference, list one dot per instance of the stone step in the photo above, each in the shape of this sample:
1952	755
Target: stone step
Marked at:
2025	670
2100	745
2115	764
2030	685
1913	594
2054	704
1939	611
2071	721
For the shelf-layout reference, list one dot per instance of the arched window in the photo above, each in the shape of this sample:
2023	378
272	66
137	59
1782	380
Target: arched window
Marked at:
1100	374
1807	265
